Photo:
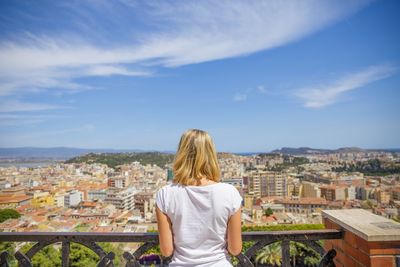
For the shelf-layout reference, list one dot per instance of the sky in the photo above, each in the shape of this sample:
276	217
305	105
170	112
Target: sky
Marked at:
257	75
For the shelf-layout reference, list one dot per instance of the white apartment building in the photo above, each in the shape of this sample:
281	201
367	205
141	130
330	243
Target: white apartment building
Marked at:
122	199
351	193
73	198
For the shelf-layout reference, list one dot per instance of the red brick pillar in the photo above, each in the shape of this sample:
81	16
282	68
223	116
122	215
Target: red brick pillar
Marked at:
369	240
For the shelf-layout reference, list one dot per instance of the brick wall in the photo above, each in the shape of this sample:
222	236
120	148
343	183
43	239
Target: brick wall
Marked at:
354	250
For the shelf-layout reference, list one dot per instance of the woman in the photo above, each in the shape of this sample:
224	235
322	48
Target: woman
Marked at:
199	218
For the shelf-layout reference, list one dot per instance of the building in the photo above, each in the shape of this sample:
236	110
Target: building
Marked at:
236	182
333	192
73	198
42	199
310	189
117	182
365	192
275	207
294	189
122	199
59	199
100	194
144	201
267	183
355	179
13	201
16	190
318	178
351	193
306	205
249	201
396	194
382	197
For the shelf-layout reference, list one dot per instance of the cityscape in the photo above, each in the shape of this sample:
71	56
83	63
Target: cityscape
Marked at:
81	194
115	192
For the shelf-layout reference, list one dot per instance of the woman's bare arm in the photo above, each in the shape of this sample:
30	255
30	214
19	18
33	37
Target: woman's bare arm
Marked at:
234	233
165	233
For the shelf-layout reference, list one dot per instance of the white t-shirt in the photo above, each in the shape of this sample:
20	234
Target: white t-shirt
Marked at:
199	216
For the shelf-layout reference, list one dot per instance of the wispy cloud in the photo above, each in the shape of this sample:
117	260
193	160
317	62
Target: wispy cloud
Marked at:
261	89
238	97
243	96
18	106
328	93
105	70
186	32
21	120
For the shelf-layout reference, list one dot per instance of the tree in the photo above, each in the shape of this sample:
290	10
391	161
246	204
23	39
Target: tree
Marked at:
79	255
268	212
367	204
303	255
300	254
46	257
271	254
6	214
82	256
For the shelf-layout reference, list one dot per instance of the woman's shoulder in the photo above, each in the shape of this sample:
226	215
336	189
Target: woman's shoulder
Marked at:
229	189
169	187
165	187
226	185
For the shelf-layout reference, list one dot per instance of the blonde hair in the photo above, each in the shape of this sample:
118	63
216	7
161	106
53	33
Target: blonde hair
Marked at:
195	159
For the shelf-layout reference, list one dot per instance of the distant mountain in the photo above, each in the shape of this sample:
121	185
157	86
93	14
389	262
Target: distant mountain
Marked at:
300	151
349	150
56	153
308	150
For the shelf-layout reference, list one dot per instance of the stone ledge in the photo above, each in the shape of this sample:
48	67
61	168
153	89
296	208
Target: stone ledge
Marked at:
365	224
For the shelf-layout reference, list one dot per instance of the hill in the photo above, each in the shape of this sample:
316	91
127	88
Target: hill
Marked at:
310	151
114	159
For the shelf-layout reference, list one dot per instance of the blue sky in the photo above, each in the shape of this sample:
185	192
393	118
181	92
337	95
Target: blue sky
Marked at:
258	75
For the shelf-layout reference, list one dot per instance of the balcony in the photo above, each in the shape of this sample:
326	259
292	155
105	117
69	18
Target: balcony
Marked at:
349	241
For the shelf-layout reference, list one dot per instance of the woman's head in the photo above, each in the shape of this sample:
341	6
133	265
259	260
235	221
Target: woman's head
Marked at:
196	158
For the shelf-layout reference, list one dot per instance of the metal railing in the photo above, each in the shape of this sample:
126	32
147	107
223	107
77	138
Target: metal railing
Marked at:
150	240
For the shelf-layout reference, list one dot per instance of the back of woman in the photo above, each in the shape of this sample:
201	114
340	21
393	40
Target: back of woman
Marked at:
198	217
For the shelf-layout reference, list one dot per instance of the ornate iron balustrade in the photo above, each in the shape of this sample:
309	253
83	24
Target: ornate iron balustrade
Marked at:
150	240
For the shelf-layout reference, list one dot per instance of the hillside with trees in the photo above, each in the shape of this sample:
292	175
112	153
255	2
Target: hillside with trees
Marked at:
114	159
372	167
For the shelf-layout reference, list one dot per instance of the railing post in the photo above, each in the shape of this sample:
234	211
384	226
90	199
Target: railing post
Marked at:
244	261
65	253
3	259
285	253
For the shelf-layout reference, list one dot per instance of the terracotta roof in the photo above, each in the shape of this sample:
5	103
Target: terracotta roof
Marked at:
14	199
304	200
12	190
88	204
332	186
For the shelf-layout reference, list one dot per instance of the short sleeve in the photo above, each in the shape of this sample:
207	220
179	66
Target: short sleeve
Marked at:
236	202
160	200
